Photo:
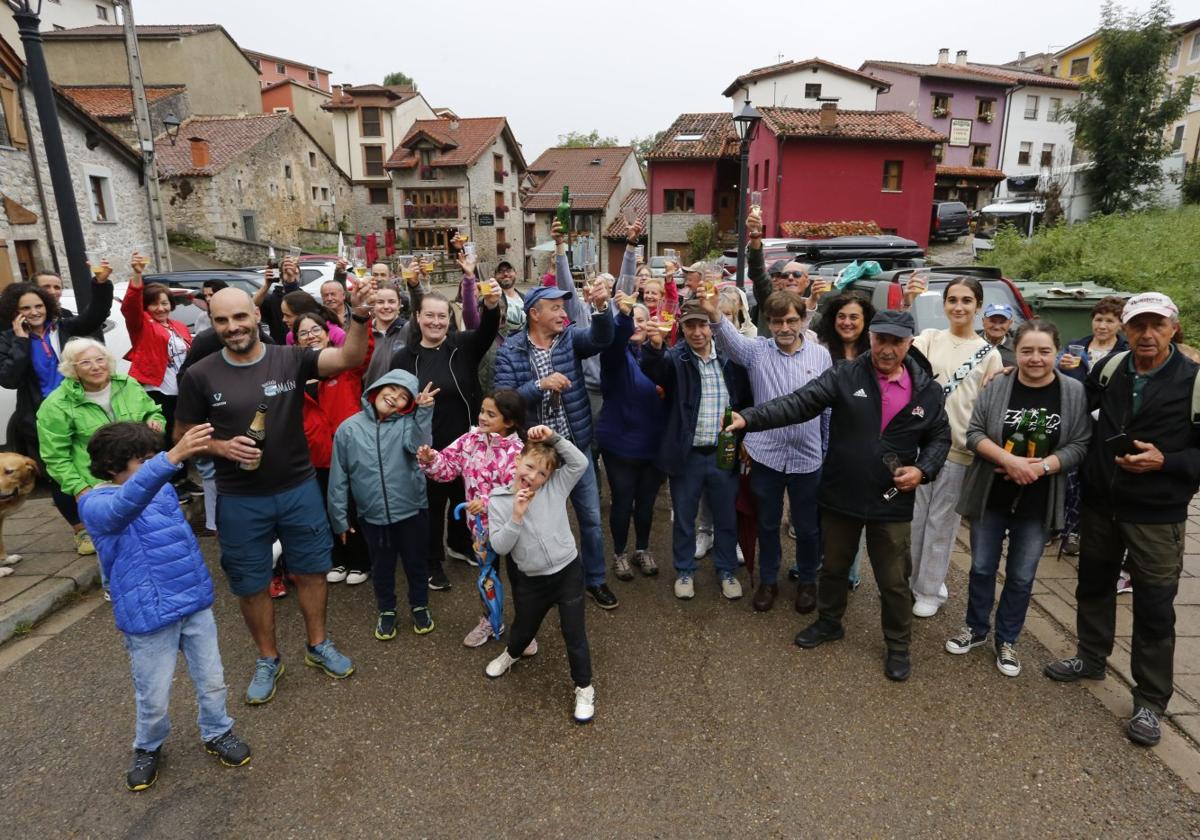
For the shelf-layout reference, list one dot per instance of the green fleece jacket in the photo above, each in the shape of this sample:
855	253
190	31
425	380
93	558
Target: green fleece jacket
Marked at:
66	421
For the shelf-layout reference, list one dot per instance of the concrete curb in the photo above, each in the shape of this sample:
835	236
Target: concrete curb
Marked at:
45	597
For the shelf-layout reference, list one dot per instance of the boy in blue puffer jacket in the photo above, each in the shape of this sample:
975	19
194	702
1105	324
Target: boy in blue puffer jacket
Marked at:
162	593
375	458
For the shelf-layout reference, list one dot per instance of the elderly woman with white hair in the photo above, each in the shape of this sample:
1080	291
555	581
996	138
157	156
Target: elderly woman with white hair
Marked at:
92	394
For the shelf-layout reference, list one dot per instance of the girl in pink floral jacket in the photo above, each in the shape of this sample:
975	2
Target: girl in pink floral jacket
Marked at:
486	458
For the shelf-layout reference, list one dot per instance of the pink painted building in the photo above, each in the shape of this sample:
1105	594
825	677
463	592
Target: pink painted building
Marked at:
273	69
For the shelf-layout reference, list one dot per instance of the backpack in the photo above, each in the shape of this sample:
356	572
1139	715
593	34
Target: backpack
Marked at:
1114	361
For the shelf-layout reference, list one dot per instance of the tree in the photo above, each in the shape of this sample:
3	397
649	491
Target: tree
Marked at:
1122	113
399	78
643	145
702	239
577	139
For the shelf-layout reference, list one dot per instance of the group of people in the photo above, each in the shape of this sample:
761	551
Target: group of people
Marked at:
388	426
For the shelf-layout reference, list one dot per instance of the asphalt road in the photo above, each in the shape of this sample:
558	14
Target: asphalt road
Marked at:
710	722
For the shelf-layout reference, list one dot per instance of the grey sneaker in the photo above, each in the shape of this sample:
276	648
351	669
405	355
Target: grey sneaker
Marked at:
266	675
1071	669
685	590
644	560
329	659
621	567
1143	727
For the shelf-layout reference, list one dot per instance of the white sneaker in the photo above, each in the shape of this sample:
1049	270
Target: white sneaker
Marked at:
336	575
704	543
731	588
925	607
354	578
585	704
685	590
499	666
530	650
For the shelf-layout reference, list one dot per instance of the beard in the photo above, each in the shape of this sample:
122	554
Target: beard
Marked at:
242	342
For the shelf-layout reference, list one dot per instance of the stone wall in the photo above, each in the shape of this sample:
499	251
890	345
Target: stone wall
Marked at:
320	241
241	251
367	218
672	228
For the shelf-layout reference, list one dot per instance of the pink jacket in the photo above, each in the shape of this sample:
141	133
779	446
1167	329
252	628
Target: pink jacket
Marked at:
485	461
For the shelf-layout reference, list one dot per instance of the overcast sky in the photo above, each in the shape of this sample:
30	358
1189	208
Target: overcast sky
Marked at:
624	69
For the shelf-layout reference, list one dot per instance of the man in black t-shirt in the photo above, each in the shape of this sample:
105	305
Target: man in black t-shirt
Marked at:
268	491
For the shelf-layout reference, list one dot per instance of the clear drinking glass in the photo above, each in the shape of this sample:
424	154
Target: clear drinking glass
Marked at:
756	202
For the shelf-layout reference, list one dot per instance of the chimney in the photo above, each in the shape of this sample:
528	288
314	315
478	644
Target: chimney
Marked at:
1021	55
944	55
960	58
829	113
200	158
337	92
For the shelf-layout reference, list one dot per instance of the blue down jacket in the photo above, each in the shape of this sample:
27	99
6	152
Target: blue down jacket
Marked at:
155	570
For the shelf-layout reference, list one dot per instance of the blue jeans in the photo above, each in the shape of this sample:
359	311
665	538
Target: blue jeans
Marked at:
585	498
701	476
152	657
1026	542
768	486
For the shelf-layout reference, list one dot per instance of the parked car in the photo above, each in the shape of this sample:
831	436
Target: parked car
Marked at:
313	272
658	266
949	220
1023	216
895	251
185	285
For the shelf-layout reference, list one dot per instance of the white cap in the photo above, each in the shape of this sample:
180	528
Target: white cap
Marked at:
1154	303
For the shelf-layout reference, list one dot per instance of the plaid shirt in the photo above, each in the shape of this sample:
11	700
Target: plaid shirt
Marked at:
551	411
714	397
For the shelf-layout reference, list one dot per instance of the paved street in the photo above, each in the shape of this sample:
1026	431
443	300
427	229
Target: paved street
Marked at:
710	722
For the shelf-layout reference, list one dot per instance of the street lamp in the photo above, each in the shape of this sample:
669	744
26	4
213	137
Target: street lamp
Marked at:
171	124
744	122
409	207
27	13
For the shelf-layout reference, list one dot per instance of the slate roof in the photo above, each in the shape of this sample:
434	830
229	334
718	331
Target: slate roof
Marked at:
796	66
114	102
639	201
591	173
714	138
851	125
229	137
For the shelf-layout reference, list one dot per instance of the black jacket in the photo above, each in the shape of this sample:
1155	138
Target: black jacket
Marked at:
675	371
16	368
854	478
1165	421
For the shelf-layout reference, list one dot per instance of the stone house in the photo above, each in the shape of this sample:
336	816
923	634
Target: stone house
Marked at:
112	105
307	104
460	175
251	178
805	84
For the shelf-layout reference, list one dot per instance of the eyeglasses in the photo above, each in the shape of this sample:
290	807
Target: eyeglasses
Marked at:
92	364
310	333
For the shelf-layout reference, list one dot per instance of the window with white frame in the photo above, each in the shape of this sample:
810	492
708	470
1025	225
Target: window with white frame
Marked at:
1177	140
1194	55
1047	155
1054	108
1031	106
102	13
1026	152
101	206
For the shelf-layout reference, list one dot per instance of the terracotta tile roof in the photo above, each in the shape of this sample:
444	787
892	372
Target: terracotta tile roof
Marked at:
638	200
987	74
851	125
797	66
592	183
978	173
383	96
461	142
229	137
114	31
697	136
114	102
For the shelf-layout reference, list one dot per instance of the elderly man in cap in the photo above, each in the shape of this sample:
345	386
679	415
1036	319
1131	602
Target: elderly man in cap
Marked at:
543	363
888	434
997	321
1140	474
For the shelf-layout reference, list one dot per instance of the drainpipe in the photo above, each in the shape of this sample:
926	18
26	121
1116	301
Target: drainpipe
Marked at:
31	147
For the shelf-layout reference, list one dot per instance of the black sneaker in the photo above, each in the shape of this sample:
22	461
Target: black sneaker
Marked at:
1144	728
966	641
385	626
232	750
143	773
1071	669
422	620
603	597
437	579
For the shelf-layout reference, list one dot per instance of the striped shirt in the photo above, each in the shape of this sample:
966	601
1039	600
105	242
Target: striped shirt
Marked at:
714	397
799	448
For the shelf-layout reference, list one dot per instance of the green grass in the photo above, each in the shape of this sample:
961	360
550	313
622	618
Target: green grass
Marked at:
1154	250
22	628
193	243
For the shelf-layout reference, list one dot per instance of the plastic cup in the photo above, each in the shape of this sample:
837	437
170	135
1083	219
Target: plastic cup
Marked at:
294	253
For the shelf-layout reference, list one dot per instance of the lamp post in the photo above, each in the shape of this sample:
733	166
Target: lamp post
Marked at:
409	207
171	125
26	14
744	122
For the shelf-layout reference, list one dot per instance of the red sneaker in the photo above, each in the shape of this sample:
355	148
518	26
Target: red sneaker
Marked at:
277	589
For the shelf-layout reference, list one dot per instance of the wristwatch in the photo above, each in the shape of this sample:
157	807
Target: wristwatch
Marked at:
1046	467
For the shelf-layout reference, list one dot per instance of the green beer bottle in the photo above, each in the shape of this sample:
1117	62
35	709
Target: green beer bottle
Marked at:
1018	440
1039	441
726	443
564	211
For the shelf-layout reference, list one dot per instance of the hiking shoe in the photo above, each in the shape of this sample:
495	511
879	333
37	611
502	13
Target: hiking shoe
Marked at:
1124	584
1071	669
266	675
585	704
143	772
704	543
966	641
277	589
356	577
499	666
84	547
731	588
422	620
644	560
232	750
437	579
481	633
818	633
604	597
336	575
1144	728
385	626
621	567
1006	660
329	659
685	589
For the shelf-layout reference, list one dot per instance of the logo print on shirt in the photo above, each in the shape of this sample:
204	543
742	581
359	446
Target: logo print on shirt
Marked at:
918	411
860	393
271	388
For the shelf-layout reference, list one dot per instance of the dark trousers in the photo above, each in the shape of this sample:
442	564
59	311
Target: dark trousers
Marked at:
768	486
27	444
167	403
633	485
406	540
353	553
700	476
533	596
1154	561
891	560
443	498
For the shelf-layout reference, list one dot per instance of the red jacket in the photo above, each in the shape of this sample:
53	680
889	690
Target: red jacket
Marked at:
341	396
318	431
148	353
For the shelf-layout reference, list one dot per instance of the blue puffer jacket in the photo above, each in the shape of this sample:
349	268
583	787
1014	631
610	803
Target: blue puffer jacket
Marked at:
514	369
155	570
631	422
377	460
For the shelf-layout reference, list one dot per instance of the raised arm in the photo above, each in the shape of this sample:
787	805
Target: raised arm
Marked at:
801	405
113	512
574	464
627	280
334	360
731	342
93	318
132	309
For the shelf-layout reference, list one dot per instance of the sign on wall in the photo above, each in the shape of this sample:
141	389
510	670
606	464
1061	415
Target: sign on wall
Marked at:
487	220
960	132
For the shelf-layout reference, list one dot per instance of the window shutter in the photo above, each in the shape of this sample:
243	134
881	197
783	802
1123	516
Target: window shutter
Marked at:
12	111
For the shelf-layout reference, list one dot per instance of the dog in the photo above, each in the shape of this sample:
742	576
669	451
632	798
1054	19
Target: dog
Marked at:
17	476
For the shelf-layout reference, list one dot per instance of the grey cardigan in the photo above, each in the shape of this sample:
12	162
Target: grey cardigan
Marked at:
987	421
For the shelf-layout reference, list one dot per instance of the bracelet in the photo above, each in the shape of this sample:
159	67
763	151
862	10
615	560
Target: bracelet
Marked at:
359	319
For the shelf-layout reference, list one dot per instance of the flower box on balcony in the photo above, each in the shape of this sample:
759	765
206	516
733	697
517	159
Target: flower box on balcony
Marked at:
987	116
939	113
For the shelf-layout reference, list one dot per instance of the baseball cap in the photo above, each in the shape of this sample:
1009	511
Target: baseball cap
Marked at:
1154	303
893	322
777	267
543	293
998	309
693	310
503	264
695	268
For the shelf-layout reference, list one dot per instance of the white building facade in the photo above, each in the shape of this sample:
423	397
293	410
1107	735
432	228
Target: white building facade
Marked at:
1037	137
805	84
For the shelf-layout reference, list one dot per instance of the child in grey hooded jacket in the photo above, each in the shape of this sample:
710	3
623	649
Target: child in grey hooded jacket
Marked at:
528	521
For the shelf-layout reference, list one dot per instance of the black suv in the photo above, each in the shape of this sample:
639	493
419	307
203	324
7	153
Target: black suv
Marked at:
839	251
948	220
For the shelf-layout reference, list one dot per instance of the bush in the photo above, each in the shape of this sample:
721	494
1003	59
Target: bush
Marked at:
702	239
193	243
1191	183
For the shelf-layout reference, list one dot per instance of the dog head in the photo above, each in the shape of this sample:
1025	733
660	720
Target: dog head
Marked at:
17	475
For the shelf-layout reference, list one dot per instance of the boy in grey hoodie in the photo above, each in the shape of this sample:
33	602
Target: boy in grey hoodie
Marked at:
528	522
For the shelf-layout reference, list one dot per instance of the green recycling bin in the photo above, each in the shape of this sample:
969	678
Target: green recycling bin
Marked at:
1067	305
